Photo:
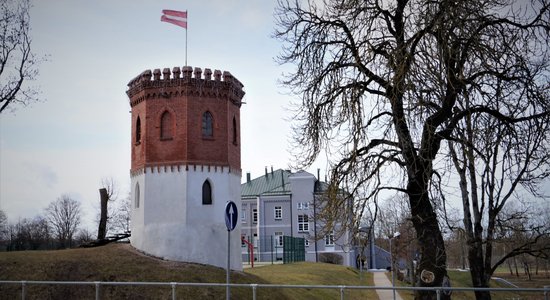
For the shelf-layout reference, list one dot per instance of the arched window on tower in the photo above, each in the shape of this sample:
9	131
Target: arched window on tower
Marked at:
138	131
207	124
166	126
136	196
234	131
206	193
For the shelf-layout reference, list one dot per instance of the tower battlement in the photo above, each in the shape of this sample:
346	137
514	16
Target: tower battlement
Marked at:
191	80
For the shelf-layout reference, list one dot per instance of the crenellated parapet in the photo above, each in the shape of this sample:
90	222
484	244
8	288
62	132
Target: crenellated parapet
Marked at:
187	81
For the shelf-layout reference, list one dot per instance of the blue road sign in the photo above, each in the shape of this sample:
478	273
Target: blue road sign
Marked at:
231	215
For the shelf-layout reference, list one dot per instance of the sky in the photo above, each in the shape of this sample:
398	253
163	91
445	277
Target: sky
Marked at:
79	132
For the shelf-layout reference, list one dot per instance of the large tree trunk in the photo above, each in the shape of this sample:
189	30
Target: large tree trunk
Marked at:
432	268
475	258
102	229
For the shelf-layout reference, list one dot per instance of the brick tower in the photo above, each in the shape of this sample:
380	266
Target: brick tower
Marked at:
186	163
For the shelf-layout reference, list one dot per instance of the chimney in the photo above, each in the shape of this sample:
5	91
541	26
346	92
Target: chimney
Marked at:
271	170
265	171
248	177
318	173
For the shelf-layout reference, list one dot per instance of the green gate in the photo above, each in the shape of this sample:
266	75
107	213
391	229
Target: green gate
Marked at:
293	249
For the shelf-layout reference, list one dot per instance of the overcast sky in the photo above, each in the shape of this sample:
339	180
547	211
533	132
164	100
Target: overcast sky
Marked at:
80	133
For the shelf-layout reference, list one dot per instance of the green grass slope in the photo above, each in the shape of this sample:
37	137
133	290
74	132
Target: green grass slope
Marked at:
116	262
120	262
307	273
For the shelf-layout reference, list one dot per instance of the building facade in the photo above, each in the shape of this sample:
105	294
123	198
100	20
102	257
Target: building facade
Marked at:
282	203
185	164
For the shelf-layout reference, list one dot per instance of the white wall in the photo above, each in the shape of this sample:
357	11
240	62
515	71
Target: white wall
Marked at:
172	223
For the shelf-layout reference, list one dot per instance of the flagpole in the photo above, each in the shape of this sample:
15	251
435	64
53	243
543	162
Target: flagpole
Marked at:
186	29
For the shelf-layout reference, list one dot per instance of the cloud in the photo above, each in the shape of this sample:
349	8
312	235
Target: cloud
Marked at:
43	174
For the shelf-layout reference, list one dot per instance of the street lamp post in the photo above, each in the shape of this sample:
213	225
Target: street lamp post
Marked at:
395	235
361	238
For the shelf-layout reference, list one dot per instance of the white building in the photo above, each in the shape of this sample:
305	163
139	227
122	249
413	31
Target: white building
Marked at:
282	203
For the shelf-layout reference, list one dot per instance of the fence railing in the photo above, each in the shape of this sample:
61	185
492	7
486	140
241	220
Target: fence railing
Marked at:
254	287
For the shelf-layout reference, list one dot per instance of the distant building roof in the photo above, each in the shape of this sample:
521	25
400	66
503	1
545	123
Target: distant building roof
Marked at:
275	183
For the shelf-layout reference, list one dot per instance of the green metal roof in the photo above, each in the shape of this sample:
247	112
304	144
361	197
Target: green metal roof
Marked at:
274	183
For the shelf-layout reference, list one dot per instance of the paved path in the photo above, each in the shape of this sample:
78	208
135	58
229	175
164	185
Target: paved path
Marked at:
380	279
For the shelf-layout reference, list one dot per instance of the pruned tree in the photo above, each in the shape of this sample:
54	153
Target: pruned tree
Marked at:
383	85
64	216
18	63
108	194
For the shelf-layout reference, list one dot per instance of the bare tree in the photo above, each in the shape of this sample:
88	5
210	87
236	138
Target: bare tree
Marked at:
64	215
4	229
384	83
18	63
499	163
121	216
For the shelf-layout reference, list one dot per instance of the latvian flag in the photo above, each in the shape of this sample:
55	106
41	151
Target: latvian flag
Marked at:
175	17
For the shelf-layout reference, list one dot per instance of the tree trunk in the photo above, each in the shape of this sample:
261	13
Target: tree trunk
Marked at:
432	268
477	272
102	230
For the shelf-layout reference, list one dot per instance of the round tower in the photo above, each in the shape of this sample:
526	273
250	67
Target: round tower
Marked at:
186	163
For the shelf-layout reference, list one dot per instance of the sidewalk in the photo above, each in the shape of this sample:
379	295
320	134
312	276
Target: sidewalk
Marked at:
380	279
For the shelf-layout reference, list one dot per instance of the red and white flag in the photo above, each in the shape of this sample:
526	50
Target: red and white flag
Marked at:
175	17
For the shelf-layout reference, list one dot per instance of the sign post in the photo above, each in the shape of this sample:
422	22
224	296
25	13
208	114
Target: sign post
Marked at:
231	217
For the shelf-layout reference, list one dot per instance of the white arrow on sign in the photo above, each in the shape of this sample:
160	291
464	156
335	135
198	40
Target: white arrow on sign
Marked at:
231	212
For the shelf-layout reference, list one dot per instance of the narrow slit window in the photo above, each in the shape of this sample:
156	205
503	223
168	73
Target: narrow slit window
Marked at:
136	196
234	131
206	193
207	124
138	130
166	126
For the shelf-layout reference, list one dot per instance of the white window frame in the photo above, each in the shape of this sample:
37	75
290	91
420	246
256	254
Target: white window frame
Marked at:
329	240
302	205
243	215
303	224
306	242
278	212
278	239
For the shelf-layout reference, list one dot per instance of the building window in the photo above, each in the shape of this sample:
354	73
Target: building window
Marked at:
243	215
278	212
234	131
303	223
303	205
166	126
207	125
206	193
138	130
329	239
137	196
254	215
278	239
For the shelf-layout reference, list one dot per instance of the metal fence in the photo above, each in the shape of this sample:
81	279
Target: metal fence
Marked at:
544	292
294	249
275	248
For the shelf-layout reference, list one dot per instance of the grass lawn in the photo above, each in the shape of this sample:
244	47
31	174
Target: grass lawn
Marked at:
115	262
308	273
463	279
120	262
